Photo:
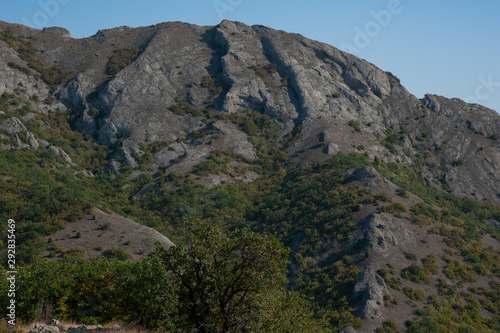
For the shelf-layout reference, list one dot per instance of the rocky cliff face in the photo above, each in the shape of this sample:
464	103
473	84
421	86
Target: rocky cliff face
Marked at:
183	75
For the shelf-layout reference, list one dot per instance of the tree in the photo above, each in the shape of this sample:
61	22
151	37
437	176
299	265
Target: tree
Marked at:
233	282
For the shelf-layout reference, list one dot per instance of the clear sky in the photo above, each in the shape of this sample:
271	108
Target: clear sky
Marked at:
444	47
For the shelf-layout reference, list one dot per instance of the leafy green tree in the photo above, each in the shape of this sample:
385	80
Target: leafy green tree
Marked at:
40	285
233	282
145	293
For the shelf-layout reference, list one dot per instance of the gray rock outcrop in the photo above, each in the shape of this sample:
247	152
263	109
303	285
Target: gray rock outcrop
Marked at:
58	31
13	125
235	140
369	290
32	141
385	236
40	328
61	153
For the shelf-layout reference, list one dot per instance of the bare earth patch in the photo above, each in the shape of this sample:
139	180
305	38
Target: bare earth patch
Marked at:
94	236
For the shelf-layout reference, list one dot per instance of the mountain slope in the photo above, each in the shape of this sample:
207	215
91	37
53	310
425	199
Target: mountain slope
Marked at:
246	126
184	75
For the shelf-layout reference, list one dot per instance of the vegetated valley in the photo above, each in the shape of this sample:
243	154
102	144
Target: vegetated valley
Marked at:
305	189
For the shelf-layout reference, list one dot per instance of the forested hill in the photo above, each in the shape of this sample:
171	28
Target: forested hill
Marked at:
387	203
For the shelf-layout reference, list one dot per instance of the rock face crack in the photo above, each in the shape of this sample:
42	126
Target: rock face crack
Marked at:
285	72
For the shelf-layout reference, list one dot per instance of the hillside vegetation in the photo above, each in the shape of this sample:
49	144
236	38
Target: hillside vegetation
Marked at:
311	209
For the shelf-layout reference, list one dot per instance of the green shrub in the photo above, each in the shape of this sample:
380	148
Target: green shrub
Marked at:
182	107
8	37
116	253
424	214
383	197
74	253
23	69
402	192
424	325
411	256
208	81
120	59
391	138
388	326
456	270
416	274
263	72
94	113
223	277
355	124
430	263
414	294
106	226
394	208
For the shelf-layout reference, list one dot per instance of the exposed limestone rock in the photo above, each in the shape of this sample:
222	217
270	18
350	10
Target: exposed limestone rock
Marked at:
12	125
85	173
29	116
371	179
108	134
192	157
382	233
61	153
493	223
114	168
56	327
12	79
40	328
44	143
331	149
235	139
125	156
32	141
369	291
58	31
86	124
168	155
364	173
20	144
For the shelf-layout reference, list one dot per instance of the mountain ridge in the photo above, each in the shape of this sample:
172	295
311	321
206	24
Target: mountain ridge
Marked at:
362	87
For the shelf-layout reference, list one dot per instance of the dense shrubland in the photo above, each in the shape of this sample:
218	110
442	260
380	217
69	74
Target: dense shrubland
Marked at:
308	209
215	281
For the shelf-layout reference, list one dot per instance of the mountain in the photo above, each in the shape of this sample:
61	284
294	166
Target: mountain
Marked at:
388	202
171	72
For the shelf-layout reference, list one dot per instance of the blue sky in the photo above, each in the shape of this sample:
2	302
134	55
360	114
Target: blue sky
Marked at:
449	48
